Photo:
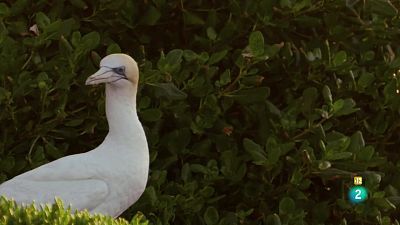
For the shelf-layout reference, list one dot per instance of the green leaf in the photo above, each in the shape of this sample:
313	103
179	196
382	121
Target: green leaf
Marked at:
151	115
331	156
52	31
256	152
169	91
64	46
203	57
197	168
240	61
272	108
151	16
256	43
286	206
242	214
211	216
229	219
326	92
4	94
144	102
250	96
211	34
42	20
74	122
113	48
216	57
7	164
366	153
323	165
90	41
174	57
365	80
310	95
4	10
52	151
372	178
39	156
274	150
225	78
190	55
383	7
170	62
298	6
385	204
272	50
357	142
310	56
344	107
338	105
76	38
190	18
395	64
368	56
321	212
273	219
207	192
185	172
339	58
19	6
95	57
80	4
251	80
338	144
389	90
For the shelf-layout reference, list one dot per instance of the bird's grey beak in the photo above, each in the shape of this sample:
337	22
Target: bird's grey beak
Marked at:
103	75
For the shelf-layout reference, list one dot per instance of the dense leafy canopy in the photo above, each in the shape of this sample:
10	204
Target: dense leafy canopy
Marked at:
256	112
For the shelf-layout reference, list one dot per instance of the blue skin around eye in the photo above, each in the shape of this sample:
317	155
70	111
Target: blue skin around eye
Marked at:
357	194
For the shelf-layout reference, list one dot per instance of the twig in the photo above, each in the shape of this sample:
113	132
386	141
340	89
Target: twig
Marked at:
31	148
308	130
27	61
357	16
233	82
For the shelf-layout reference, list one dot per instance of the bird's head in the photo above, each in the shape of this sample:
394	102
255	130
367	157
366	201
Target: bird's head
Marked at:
115	69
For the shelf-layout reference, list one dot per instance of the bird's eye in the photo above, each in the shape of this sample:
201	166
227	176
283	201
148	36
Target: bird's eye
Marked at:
119	70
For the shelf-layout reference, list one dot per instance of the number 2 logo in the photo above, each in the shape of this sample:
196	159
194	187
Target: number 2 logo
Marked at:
358	195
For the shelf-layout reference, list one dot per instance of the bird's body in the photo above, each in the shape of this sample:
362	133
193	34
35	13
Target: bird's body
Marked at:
111	177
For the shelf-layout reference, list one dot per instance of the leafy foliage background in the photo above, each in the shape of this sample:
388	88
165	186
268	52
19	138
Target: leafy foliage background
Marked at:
256	112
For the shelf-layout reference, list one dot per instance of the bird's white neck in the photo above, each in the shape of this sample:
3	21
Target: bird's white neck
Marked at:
121	109
126	133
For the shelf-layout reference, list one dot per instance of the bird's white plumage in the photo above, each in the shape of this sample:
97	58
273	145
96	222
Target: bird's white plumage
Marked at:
109	178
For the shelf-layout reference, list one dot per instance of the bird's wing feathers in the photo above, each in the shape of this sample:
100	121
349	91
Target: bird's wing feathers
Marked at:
73	179
81	194
72	167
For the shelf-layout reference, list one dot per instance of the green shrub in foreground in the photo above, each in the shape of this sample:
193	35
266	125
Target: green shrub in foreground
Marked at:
56	214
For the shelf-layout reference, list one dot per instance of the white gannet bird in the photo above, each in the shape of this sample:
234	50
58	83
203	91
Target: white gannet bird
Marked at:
109	178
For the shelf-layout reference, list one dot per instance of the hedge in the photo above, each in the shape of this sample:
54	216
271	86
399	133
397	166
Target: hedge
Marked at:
256	112
57	214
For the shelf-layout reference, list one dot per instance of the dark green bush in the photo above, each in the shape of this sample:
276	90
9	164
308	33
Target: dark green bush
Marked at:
256	112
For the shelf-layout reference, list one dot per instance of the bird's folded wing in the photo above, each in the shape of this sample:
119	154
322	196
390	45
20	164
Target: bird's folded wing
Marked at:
73	167
81	194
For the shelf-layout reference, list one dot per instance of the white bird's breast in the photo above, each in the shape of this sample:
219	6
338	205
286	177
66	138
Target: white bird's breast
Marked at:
127	170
